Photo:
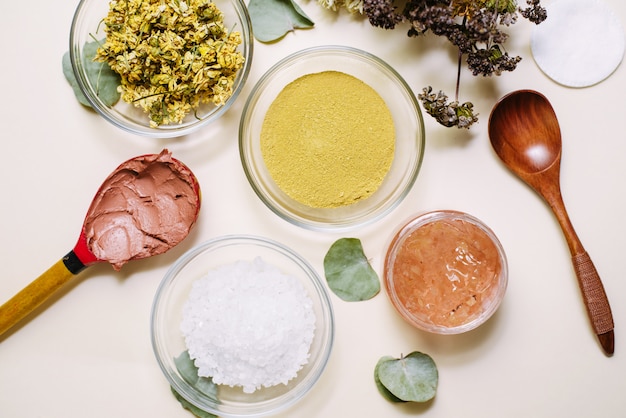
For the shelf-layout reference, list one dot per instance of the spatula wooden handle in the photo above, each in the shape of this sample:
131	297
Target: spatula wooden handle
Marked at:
33	295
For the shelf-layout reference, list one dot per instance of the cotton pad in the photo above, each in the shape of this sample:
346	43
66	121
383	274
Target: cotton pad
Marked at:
580	44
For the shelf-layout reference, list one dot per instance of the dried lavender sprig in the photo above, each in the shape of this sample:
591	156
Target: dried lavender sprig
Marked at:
473	26
447	113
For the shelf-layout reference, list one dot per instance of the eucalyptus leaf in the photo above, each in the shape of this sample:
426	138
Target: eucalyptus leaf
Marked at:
191	407
348	272
272	19
99	74
189	372
413	378
381	388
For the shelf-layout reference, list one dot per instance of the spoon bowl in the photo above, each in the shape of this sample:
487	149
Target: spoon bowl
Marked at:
524	132
112	231
518	127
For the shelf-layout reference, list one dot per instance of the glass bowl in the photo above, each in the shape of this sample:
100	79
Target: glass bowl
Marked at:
445	272
409	138
168	341
87	26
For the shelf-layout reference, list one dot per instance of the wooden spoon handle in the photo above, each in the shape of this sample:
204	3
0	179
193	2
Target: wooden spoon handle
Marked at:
593	293
33	295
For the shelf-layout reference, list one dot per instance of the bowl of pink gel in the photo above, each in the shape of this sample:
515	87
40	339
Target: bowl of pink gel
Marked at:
445	272
242	326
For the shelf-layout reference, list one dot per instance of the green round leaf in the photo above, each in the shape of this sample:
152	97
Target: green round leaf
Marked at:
99	74
68	72
381	388
272	19
189	372
348	273
191	407
412	378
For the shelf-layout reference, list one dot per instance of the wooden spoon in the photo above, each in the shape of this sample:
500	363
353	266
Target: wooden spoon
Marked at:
81	256
524	132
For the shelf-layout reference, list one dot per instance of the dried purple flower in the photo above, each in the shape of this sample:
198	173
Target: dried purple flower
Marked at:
491	61
473	26
381	13
535	13
447	113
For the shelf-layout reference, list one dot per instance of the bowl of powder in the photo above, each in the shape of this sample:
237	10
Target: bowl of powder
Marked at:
242	326
445	272
160	69
331	138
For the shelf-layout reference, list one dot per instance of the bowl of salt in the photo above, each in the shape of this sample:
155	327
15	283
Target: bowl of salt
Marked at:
241	326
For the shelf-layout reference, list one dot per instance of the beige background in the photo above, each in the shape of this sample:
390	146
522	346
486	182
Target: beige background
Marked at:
89	352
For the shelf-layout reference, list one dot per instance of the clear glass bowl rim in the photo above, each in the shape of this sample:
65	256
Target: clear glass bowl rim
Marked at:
269	407
168	131
366	57
425	218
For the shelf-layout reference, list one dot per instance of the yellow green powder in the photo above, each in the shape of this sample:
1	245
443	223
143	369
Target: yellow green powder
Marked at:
328	140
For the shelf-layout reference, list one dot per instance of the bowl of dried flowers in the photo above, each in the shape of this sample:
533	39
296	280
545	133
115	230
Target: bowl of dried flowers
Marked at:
160	69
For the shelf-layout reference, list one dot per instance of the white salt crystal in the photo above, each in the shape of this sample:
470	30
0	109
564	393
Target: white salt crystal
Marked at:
248	324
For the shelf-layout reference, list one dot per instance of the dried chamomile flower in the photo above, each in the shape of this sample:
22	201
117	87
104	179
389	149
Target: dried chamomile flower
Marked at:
447	113
171	56
352	6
